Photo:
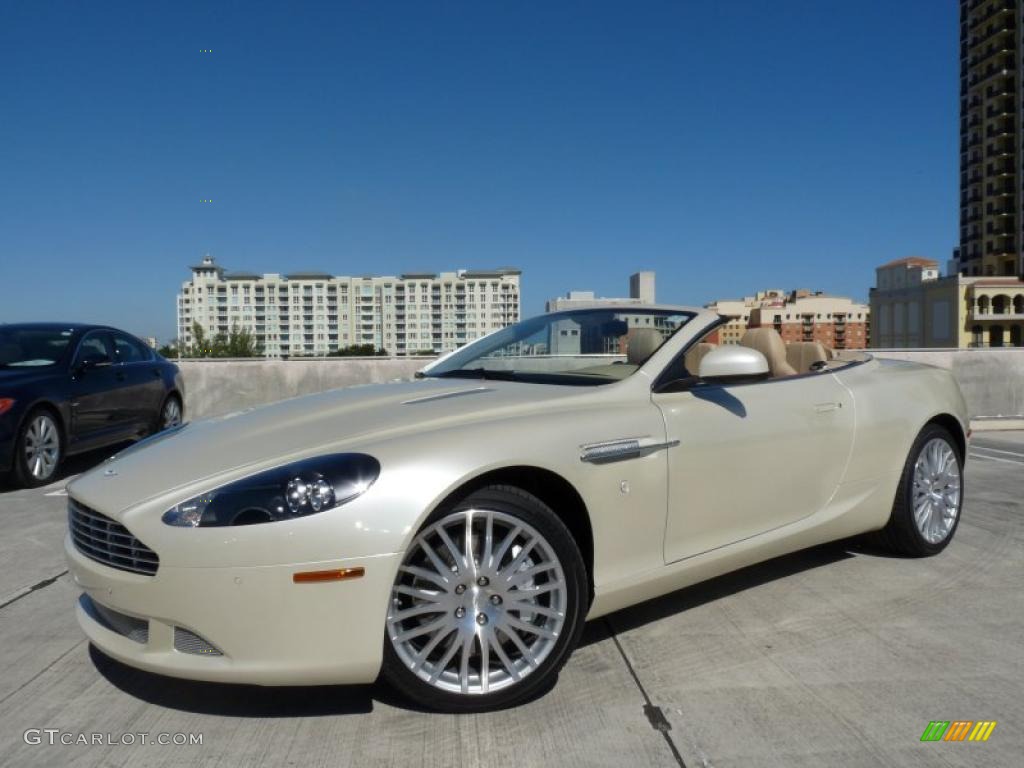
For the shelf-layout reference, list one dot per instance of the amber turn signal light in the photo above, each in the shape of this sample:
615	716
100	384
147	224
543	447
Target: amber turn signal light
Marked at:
338	574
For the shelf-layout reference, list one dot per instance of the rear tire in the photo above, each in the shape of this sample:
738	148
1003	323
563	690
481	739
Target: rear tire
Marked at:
929	499
488	631
171	413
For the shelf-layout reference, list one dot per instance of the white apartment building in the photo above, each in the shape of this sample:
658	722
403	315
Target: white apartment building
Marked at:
313	313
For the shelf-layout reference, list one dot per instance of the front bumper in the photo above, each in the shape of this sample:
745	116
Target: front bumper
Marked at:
268	629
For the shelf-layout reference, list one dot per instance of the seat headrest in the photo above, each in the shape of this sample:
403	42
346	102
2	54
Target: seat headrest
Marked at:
641	344
768	342
803	354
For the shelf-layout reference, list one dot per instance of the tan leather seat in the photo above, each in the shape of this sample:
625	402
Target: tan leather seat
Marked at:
694	355
803	354
641	344
768	342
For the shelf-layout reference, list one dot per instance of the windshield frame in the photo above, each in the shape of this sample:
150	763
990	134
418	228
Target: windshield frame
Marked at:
452	364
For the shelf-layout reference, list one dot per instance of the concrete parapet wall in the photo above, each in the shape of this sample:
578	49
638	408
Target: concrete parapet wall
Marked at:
216	387
992	380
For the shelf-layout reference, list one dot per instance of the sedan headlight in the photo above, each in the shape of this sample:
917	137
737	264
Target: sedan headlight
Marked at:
283	493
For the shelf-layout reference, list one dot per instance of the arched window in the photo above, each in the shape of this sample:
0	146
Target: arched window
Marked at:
1018	304
1000	305
995	336
983	305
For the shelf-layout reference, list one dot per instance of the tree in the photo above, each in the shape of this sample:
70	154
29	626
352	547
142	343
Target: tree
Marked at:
240	342
198	347
170	349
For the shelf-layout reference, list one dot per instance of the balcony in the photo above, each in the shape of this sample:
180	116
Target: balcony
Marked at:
995	12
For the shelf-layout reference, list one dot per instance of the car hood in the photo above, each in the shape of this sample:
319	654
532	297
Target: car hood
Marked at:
260	437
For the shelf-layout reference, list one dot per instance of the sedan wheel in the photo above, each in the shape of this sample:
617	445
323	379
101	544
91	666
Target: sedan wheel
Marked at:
929	499
170	416
486	605
39	450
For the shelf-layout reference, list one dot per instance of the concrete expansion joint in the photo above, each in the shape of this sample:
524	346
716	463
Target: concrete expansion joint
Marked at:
655	715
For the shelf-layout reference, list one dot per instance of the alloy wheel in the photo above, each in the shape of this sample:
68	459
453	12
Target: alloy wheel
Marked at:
479	603
42	447
171	415
936	493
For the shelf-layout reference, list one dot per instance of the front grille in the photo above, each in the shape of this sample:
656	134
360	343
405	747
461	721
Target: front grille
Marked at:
101	539
127	626
190	642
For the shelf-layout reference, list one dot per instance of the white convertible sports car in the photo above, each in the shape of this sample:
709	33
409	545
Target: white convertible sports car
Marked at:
453	533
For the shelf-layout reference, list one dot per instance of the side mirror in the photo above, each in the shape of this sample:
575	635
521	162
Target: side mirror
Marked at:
92	361
732	363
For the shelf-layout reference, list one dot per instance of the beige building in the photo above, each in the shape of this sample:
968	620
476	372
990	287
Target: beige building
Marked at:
914	307
738	311
313	313
835	321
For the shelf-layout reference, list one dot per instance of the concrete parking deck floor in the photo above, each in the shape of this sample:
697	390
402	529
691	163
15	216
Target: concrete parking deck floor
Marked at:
839	655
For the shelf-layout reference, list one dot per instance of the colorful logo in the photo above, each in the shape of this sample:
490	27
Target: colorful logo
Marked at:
958	730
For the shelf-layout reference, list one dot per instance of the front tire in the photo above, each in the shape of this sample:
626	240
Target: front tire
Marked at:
38	450
488	604
929	499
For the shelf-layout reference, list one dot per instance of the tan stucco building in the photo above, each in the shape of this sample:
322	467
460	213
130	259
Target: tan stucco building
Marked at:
912	306
837	322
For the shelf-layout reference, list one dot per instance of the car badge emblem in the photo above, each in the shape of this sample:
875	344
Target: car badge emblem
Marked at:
109	472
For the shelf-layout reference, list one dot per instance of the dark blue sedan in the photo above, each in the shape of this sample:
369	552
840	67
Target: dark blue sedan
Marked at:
70	388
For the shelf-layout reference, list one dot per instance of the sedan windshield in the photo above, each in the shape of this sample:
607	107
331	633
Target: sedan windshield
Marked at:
22	347
585	346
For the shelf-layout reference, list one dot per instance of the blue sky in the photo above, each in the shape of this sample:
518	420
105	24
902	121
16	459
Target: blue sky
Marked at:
729	146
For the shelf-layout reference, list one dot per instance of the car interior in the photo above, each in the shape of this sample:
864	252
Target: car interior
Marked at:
785	359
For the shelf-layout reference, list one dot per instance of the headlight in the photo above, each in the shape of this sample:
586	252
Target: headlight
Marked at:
283	493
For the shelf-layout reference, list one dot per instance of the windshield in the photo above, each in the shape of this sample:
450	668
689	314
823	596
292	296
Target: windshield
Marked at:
32	347
586	346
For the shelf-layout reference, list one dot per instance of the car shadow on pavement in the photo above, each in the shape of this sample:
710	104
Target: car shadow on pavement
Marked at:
723	586
232	699
237	700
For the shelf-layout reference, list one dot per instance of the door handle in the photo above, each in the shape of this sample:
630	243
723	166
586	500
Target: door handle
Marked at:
156	372
826	407
120	376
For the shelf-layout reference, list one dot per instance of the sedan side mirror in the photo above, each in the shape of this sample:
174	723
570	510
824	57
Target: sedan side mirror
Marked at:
732	363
